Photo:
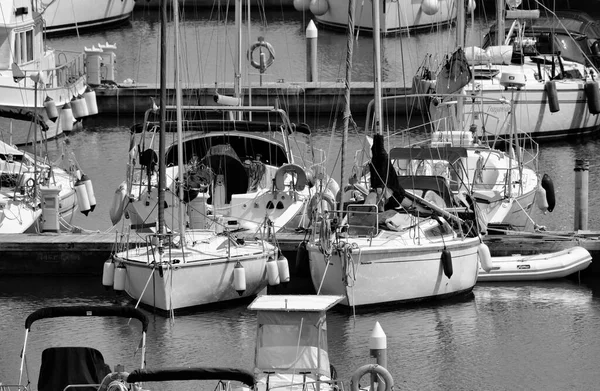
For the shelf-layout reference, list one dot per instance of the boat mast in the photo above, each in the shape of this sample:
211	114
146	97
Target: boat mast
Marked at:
178	104
347	113
500	22
237	80
163	113
377	68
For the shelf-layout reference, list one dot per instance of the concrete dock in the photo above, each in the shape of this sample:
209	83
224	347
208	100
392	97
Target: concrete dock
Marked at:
296	98
56	253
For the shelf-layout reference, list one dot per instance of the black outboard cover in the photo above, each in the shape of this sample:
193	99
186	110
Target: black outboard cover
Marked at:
62	366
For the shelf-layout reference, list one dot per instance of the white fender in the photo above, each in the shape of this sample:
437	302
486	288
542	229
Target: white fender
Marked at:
272	272
485	257
118	203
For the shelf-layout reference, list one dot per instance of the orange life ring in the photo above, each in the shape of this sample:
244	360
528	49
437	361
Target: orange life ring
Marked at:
294	170
270	58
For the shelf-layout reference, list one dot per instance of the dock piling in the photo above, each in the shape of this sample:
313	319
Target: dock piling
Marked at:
378	349
311	52
582	168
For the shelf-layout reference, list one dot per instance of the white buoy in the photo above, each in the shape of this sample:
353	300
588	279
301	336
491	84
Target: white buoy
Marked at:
471	5
51	110
283	268
108	273
319	7
66	118
120	274
77	107
118	203
430	7
89	189
485	257
302	5
378	345
272	272
541	199
239	278
82	197
90	100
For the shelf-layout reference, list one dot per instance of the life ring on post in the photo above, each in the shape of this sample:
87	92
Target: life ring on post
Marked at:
296	171
372	368
270	55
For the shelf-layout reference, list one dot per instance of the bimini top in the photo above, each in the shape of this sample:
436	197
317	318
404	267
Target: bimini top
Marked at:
82	310
197	373
304	303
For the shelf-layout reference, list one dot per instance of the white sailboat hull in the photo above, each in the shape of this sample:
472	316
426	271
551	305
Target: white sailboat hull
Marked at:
66	15
204	275
385	270
532	109
394	16
547	266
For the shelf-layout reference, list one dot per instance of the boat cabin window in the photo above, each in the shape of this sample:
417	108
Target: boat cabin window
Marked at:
292	342
23	50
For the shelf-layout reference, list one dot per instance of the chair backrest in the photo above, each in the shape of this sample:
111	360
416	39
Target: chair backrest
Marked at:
363	220
62	366
426	183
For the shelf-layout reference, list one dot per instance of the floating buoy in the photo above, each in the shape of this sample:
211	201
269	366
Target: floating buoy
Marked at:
302	5
66	118
283	268
553	102
592	93
471	6
319	7
541	199
447	262
90	100
549	187
51	110
89	188
82	197
485	257
272	272
120	274
430	7
108	273
239	278
79	107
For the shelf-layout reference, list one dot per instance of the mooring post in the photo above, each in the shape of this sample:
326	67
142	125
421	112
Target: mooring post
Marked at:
582	168
311	52
378	350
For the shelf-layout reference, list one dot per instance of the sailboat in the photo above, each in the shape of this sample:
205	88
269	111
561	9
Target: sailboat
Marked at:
35	195
183	267
247	168
393	246
38	84
552	67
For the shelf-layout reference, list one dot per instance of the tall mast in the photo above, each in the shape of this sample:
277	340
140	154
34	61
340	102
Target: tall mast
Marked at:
163	113
237	82
347	114
377	68
178	103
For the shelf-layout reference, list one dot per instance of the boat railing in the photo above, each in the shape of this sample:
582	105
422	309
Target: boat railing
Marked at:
68	69
13	387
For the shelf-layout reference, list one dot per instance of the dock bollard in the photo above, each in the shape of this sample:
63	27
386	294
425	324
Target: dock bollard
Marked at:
582	168
311	52
378	350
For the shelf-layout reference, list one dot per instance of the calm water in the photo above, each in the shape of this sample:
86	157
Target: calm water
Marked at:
541	336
